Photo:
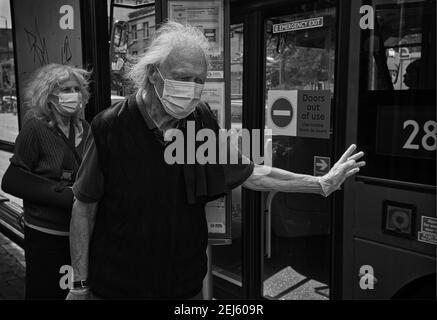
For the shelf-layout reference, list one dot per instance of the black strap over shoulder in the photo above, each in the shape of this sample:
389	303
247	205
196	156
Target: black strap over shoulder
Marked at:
204	183
70	144
204	114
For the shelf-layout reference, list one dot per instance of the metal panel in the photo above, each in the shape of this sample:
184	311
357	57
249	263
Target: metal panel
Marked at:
253	117
393	268
368	223
340	136
351	136
95	35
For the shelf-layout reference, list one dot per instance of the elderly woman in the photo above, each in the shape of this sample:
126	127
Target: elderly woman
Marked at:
53	126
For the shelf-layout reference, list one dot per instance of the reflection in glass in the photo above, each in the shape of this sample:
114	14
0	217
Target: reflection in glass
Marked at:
132	31
8	93
398	52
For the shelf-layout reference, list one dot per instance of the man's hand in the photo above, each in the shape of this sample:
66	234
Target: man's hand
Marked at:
347	166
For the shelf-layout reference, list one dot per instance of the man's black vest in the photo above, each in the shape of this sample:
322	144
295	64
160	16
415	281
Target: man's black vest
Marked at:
148	242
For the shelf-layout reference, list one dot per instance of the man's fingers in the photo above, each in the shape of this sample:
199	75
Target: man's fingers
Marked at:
352	172
361	164
348	153
352	164
356	156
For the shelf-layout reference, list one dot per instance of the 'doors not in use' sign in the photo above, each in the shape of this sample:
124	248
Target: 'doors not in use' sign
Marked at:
314	114
301	113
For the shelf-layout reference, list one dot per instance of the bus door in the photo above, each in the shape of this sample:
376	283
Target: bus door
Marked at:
390	225
300	54
283	62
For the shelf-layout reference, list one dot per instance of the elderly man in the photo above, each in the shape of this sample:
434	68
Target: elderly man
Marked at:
138	227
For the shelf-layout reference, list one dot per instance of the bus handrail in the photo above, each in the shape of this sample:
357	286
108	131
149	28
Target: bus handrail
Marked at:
396	184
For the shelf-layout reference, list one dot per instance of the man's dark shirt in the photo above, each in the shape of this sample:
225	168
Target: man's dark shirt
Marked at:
89	186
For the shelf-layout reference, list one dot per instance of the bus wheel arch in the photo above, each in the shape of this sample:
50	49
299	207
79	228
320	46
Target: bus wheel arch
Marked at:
420	288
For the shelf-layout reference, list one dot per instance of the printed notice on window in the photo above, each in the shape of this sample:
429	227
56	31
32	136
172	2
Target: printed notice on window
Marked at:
428	230
214	94
216	216
298	25
207	16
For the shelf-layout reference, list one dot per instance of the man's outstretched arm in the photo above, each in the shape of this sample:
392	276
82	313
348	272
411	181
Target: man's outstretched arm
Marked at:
274	179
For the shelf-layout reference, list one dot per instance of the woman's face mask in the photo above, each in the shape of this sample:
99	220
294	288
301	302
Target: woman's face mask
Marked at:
179	98
69	103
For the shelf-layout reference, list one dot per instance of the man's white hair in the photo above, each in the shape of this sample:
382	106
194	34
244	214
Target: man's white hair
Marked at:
169	36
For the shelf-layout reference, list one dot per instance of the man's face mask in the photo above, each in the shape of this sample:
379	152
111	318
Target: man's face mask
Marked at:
69	103
179	98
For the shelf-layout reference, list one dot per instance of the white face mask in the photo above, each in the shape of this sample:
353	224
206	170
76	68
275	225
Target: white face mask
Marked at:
179	98
69	103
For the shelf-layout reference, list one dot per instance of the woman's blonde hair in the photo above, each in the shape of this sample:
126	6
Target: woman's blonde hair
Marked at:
44	82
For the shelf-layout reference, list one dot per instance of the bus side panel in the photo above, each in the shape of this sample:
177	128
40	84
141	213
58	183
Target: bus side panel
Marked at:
393	216
393	268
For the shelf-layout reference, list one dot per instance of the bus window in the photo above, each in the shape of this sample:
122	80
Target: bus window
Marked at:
396	46
132	25
397	118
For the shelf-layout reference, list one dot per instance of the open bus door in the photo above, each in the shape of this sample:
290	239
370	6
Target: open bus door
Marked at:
284	57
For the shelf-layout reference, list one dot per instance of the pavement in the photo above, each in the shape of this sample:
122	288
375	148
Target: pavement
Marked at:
12	270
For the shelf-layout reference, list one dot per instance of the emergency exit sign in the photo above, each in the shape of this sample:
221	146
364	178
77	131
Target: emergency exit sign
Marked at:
298	25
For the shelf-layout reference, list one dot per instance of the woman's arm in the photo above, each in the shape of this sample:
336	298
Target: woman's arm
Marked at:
27	145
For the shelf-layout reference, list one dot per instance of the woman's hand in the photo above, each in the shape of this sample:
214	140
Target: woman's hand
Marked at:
347	166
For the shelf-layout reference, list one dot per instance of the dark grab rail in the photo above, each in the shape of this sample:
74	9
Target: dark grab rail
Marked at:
396	184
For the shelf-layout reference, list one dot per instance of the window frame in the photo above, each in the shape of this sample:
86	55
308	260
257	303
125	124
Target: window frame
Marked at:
146	31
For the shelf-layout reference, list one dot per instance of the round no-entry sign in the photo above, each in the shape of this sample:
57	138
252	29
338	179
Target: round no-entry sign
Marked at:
281	112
